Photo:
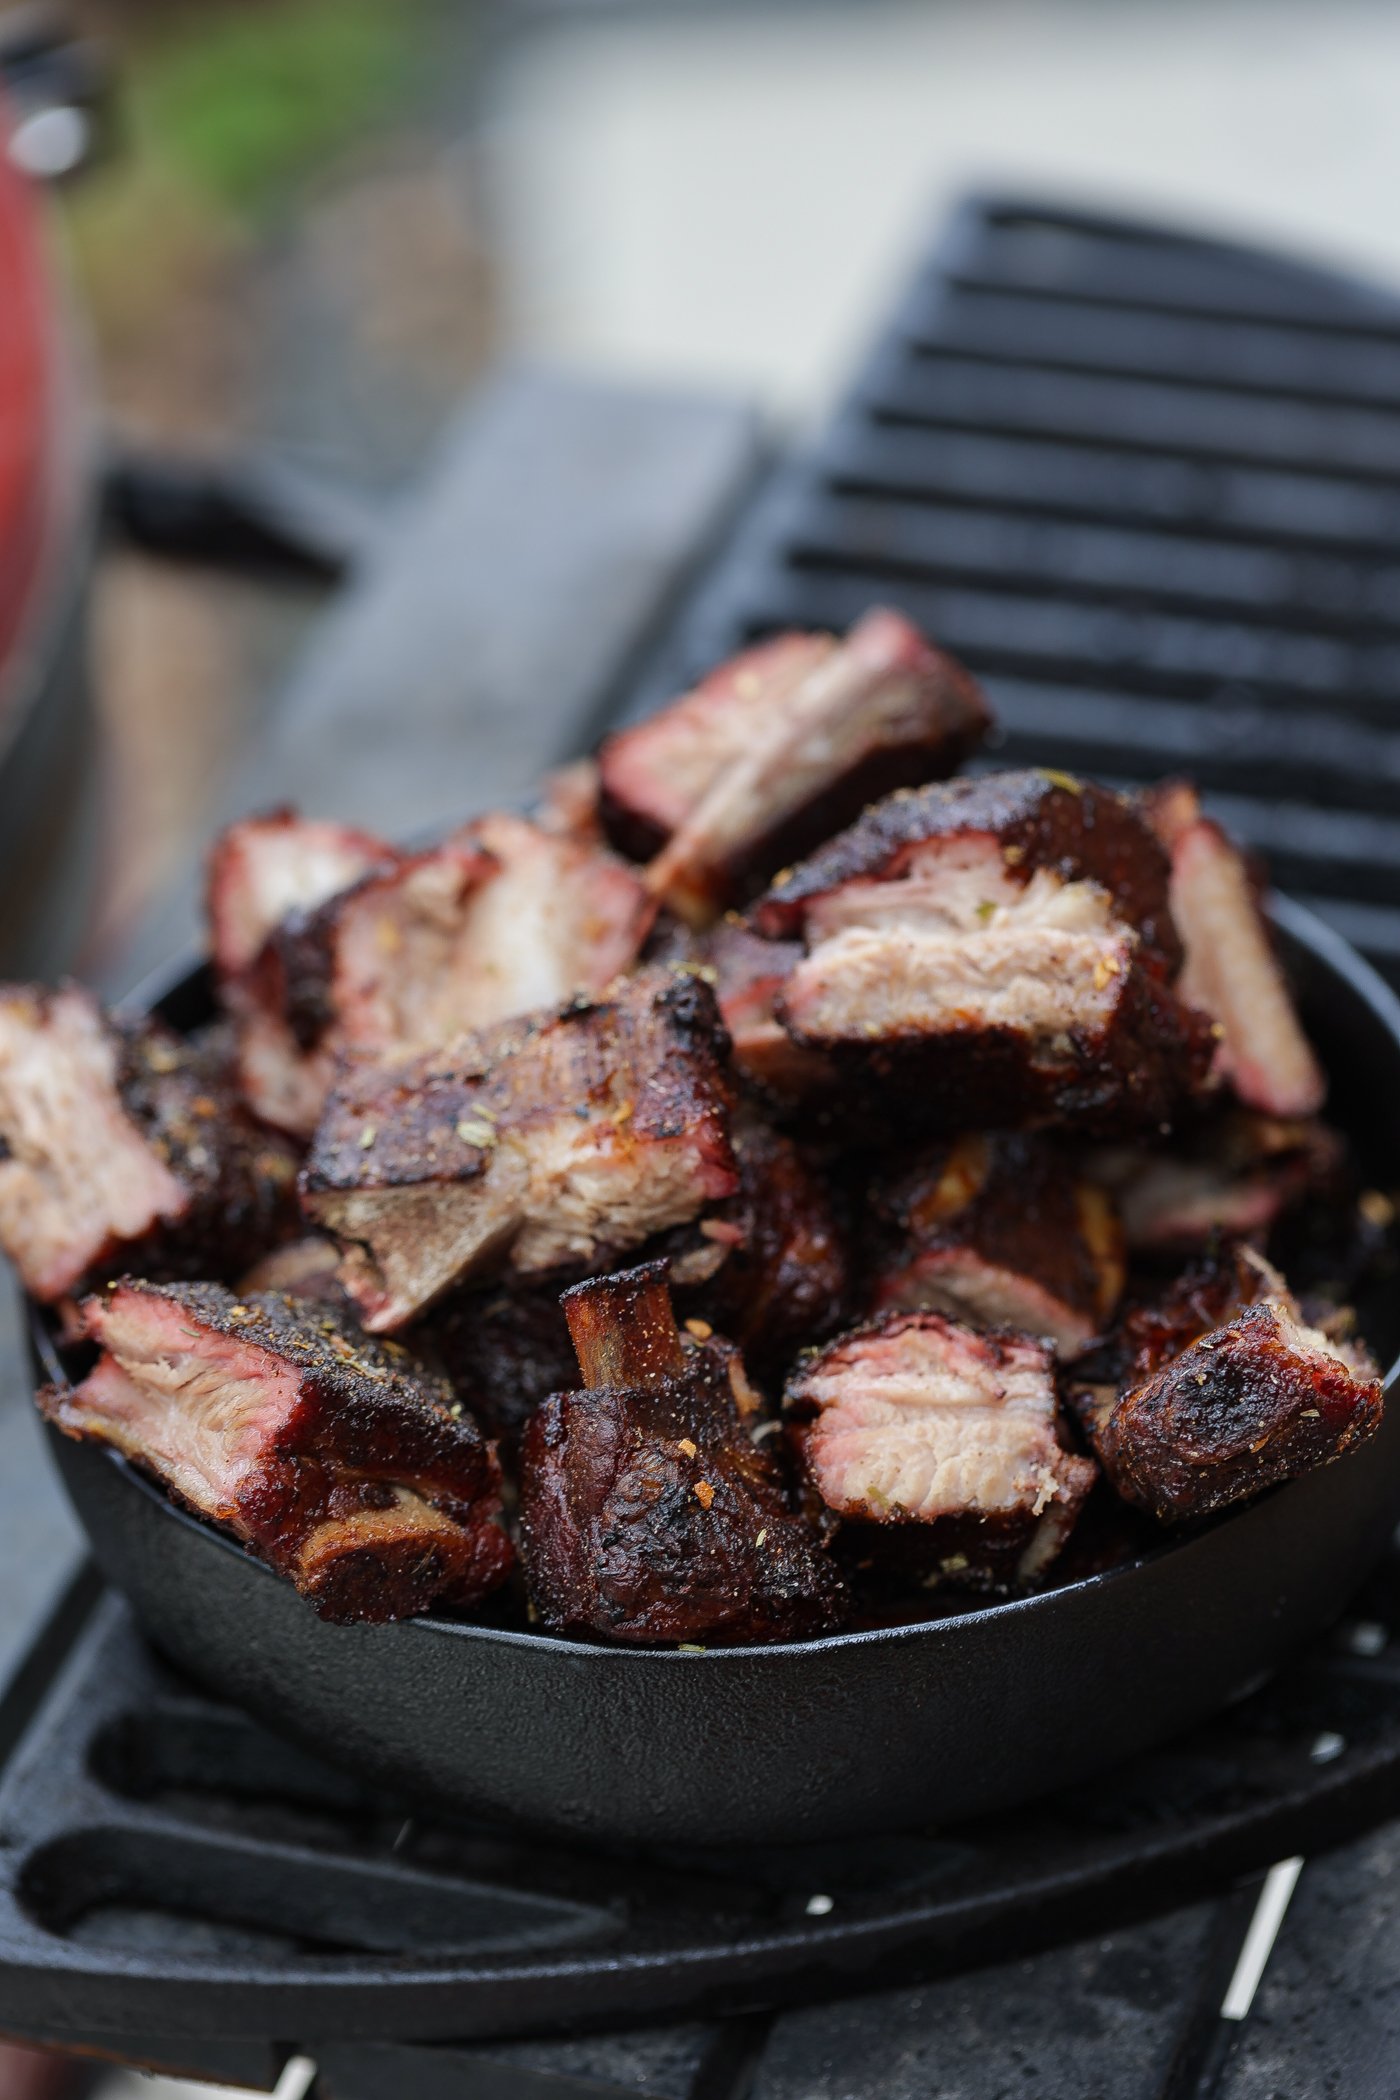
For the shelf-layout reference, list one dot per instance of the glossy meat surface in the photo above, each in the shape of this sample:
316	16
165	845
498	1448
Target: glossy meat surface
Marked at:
539	1147
340	1461
1218	1388
648	1513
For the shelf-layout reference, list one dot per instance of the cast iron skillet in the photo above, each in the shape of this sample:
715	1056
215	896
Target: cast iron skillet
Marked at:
828	1738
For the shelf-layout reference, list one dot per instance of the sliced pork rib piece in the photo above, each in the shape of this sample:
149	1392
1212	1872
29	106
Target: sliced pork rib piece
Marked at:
118	1142
1225	1390
1231	970
1237	1175
778	748
263	868
749	973
340	1461
1004	946
544	1146
938	1450
999	1231
502	918
647	1511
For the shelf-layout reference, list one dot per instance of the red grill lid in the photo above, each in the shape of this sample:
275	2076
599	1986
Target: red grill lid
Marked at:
29	422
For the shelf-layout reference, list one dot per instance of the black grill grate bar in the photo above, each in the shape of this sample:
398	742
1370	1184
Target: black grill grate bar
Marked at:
1132	294
1312	593
1033	475
1249	357
1089	642
1314	758
938	386
1068	253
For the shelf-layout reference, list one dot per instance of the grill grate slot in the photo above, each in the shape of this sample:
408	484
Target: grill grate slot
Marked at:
1149	487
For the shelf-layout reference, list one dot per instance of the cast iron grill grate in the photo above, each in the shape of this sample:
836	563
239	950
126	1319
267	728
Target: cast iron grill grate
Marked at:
1149	486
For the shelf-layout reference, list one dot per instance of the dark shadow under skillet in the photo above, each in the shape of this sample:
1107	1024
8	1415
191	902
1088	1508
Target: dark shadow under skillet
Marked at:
912	1724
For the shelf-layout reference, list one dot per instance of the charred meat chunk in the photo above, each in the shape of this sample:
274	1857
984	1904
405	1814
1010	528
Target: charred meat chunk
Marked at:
1236	1176
505	1348
262	869
541	916
770	1270
266	874
539	1147
1231	970
1226	1391
647	1511
502	918
749	974
1004	945
999	1231
339	1461
120	1141
778	748
938	1449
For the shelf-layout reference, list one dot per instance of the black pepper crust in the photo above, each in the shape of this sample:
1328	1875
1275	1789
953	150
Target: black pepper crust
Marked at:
318	1499
1049	820
1139	1072
365	1401
431	1118
240	1176
1239	1409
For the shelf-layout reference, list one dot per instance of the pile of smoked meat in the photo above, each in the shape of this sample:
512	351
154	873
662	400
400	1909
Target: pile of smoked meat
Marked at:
776	1179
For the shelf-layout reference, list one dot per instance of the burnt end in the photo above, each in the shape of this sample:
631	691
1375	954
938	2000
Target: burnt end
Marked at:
882	772
1235	1175
1138	1072
263	868
779	746
1040	820
937	1452
542	1148
240	1176
647	1512
343	1462
1241	1408
748	974
998	1231
1231	970
504	1348
632	831
777	1250
293	975
1206	1294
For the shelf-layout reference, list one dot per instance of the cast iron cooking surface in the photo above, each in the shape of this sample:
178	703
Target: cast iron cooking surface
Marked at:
819	1740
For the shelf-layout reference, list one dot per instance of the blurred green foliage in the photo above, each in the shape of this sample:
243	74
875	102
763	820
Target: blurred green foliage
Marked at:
243	100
